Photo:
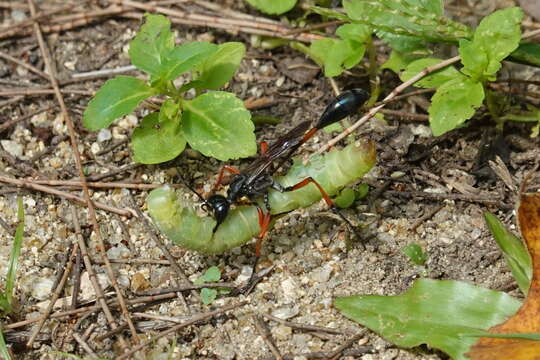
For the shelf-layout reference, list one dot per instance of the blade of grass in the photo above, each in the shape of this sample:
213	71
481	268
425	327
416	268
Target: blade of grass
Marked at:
4	352
14	256
515	253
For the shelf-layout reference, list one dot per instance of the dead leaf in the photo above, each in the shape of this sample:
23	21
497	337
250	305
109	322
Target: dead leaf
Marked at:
527	319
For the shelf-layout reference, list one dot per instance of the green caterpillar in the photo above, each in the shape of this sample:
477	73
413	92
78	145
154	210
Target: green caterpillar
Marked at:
178	220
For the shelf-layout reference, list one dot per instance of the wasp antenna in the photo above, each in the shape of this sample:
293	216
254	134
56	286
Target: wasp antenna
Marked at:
186	184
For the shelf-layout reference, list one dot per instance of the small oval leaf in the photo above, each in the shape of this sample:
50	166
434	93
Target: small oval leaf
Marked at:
116	98
155	142
218	125
151	44
184	57
273	7
221	65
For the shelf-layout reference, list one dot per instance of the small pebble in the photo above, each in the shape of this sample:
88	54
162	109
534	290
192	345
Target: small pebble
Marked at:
285	312
104	135
12	147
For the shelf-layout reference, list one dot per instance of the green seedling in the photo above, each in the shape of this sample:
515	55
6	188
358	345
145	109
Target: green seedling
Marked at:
337	55
216	123
273	7
6	297
415	253
212	274
408	27
515	252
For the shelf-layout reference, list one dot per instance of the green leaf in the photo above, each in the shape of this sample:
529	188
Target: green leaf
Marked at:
398	61
221	65
498	35
362	191
116	98
217	124
454	102
154	142
432	312
151	44
420	19
212	274
273	7
415	253
410	45
337	55
345	198
435	79
355	32
325	12
185	57
208	295
169	111
474	60
515	252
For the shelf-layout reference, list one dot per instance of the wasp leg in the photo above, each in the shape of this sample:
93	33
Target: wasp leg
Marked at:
227	168
264	223
328	201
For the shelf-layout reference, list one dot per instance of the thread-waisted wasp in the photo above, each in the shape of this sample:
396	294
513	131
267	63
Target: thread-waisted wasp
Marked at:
256	179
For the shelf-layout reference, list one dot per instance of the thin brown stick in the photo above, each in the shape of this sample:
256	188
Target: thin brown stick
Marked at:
100	298
32	92
54	143
46	189
175	328
405	115
84	345
135	261
393	94
426	216
76	281
13	100
54	297
102	185
19	165
336	354
305	326
97	177
23	64
67	22
112	146
188	287
220	9
14	28
94	308
436	196
315	27
263	331
71	129
13	122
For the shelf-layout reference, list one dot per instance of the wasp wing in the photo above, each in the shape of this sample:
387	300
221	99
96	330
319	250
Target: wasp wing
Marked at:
286	144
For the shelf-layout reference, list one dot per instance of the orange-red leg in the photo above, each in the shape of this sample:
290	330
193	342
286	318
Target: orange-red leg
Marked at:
264	147
326	198
264	224
228	168
309	180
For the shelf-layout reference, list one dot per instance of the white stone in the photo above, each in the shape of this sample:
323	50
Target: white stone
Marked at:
104	135
12	147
